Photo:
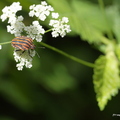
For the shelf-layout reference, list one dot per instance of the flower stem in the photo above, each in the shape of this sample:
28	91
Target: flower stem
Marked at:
5	43
102	7
67	55
48	30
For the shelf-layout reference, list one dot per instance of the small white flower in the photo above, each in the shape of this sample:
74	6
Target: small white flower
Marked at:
60	27
12	19
55	15
19	66
38	38
55	34
41	11
32	7
0	47
44	3
15	7
65	20
31	13
24	57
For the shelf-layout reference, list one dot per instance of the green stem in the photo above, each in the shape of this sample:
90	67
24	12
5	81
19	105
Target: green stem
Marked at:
102	7
48	30
105	40
67	55
5	43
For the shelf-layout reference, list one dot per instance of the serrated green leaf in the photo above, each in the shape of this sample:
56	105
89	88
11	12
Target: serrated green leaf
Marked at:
106	78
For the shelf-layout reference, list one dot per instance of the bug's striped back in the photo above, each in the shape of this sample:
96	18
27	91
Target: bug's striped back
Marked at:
23	43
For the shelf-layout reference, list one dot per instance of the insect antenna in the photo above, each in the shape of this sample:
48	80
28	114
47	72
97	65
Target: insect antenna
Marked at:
37	54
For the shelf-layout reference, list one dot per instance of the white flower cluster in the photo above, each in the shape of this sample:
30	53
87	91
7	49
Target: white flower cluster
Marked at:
16	27
10	12
40	11
59	26
24	58
35	31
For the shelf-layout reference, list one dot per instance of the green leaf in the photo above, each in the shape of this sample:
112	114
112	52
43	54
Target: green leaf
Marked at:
116	28
114	17
106	78
59	80
117	50
88	21
91	13
61	6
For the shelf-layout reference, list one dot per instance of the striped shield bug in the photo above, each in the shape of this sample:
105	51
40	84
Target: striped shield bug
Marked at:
23	43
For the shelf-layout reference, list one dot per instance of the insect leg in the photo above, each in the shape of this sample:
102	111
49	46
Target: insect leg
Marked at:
29	53
20	50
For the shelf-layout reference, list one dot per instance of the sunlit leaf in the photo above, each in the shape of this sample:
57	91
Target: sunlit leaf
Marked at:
106	78
117	50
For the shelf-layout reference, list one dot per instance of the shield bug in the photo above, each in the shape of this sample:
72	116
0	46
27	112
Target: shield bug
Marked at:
23	43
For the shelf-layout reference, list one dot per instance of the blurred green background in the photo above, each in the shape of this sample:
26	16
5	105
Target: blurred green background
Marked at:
55	88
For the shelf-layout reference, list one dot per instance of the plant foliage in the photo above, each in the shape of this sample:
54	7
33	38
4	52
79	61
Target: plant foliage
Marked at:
106	78
91	22
97	24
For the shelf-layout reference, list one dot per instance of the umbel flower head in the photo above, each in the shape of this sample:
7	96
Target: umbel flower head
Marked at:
23	53
25	58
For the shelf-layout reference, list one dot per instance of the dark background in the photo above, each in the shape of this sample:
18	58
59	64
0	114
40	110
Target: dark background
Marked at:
55	88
